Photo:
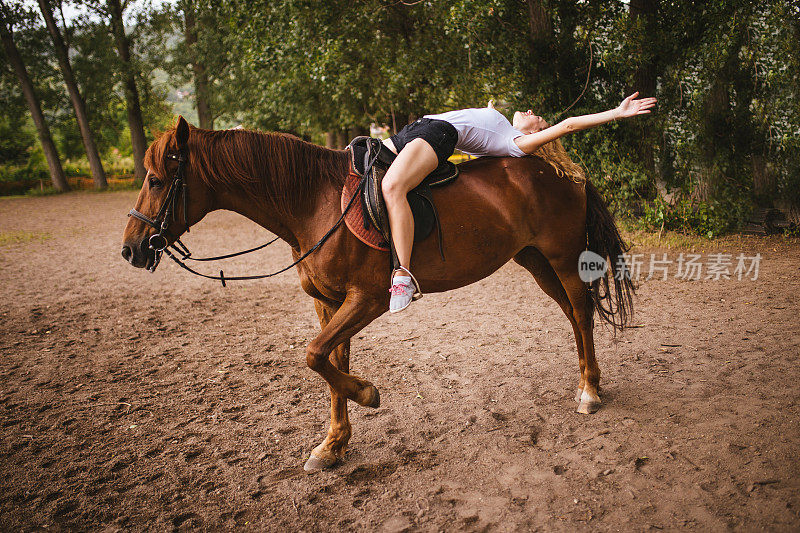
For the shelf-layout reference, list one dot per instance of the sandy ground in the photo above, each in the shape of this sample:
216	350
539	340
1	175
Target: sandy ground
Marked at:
141	401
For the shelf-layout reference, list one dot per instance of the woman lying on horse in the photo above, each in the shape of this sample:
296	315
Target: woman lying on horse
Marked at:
427	143
500	209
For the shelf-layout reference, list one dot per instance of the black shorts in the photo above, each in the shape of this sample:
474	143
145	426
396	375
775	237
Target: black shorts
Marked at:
440	134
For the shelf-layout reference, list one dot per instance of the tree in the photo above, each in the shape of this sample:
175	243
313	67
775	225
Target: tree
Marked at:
201	83
203	57
114	12
78	104
43	130
644	13
339	65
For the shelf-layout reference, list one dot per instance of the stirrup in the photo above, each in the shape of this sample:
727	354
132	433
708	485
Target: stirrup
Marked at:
417	293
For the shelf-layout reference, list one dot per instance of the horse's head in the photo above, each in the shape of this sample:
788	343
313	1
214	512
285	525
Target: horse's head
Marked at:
173	197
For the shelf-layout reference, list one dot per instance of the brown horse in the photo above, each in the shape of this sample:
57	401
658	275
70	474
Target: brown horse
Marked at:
498	209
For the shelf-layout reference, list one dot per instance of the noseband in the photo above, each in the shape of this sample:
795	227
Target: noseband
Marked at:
178	193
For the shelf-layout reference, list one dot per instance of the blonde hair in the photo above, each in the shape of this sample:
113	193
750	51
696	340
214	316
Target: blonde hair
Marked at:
555	154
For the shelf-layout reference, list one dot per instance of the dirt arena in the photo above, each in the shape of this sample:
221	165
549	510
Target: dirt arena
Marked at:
139	401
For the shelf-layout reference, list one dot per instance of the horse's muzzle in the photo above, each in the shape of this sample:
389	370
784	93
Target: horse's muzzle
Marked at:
139	255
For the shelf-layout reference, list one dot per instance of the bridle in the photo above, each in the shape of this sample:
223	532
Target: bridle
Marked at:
177	195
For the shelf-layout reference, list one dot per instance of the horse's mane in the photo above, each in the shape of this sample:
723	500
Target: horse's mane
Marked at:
277	168
283	170
555	154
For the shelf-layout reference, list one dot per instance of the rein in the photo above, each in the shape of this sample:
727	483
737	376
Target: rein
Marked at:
159	242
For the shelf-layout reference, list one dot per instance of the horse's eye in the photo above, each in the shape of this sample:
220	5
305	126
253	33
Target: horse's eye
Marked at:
155	183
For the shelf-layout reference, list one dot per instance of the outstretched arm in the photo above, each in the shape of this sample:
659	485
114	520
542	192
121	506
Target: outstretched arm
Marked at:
630	107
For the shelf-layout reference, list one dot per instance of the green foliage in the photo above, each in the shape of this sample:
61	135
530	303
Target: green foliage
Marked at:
724	139
18	142
699	218
19	180
16	138
23	174
97	69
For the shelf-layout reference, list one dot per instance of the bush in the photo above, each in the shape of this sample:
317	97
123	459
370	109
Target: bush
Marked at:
23	174
17	180
47	191
700	218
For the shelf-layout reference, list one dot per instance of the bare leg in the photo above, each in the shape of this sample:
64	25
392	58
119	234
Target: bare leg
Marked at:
415	161
334	446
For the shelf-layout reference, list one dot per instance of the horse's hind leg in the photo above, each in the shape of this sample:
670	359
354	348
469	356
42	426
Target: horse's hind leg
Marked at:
565	266
335	444
535	263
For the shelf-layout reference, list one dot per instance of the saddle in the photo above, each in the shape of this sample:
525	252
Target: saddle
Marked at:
370	159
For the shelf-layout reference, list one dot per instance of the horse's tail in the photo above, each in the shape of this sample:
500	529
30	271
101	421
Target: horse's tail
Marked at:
604	239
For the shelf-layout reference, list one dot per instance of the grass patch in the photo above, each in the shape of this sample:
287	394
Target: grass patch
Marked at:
47	191
20	237
124	185
21	183
638	237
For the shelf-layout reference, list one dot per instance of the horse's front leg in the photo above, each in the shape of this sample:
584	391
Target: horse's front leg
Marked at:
333	342
335	444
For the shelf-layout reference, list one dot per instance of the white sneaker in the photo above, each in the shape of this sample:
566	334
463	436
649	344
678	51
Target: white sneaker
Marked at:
402	292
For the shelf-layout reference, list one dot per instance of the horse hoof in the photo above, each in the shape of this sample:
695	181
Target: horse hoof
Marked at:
588	404
315	464
370	397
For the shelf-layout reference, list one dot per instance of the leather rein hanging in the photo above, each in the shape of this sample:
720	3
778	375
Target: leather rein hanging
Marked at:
178	194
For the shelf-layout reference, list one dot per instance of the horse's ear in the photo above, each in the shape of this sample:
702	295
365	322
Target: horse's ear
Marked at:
182	132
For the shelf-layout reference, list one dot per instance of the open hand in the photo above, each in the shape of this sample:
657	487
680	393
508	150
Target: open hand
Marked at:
630	107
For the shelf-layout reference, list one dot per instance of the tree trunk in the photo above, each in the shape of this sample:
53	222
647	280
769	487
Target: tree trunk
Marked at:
201	85
538	20
715	135
98	174
764	182
49	148
539	69
356	131
330	139
644	81
645	77
135	121
341	139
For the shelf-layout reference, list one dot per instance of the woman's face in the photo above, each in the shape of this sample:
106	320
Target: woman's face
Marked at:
527	122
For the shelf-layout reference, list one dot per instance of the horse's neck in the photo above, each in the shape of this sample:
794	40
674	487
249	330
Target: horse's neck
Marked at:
298	230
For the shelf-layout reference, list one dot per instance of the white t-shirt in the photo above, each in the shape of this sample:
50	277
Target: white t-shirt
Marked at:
483	131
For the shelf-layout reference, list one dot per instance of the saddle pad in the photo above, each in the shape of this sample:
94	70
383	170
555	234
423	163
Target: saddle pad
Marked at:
354	219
